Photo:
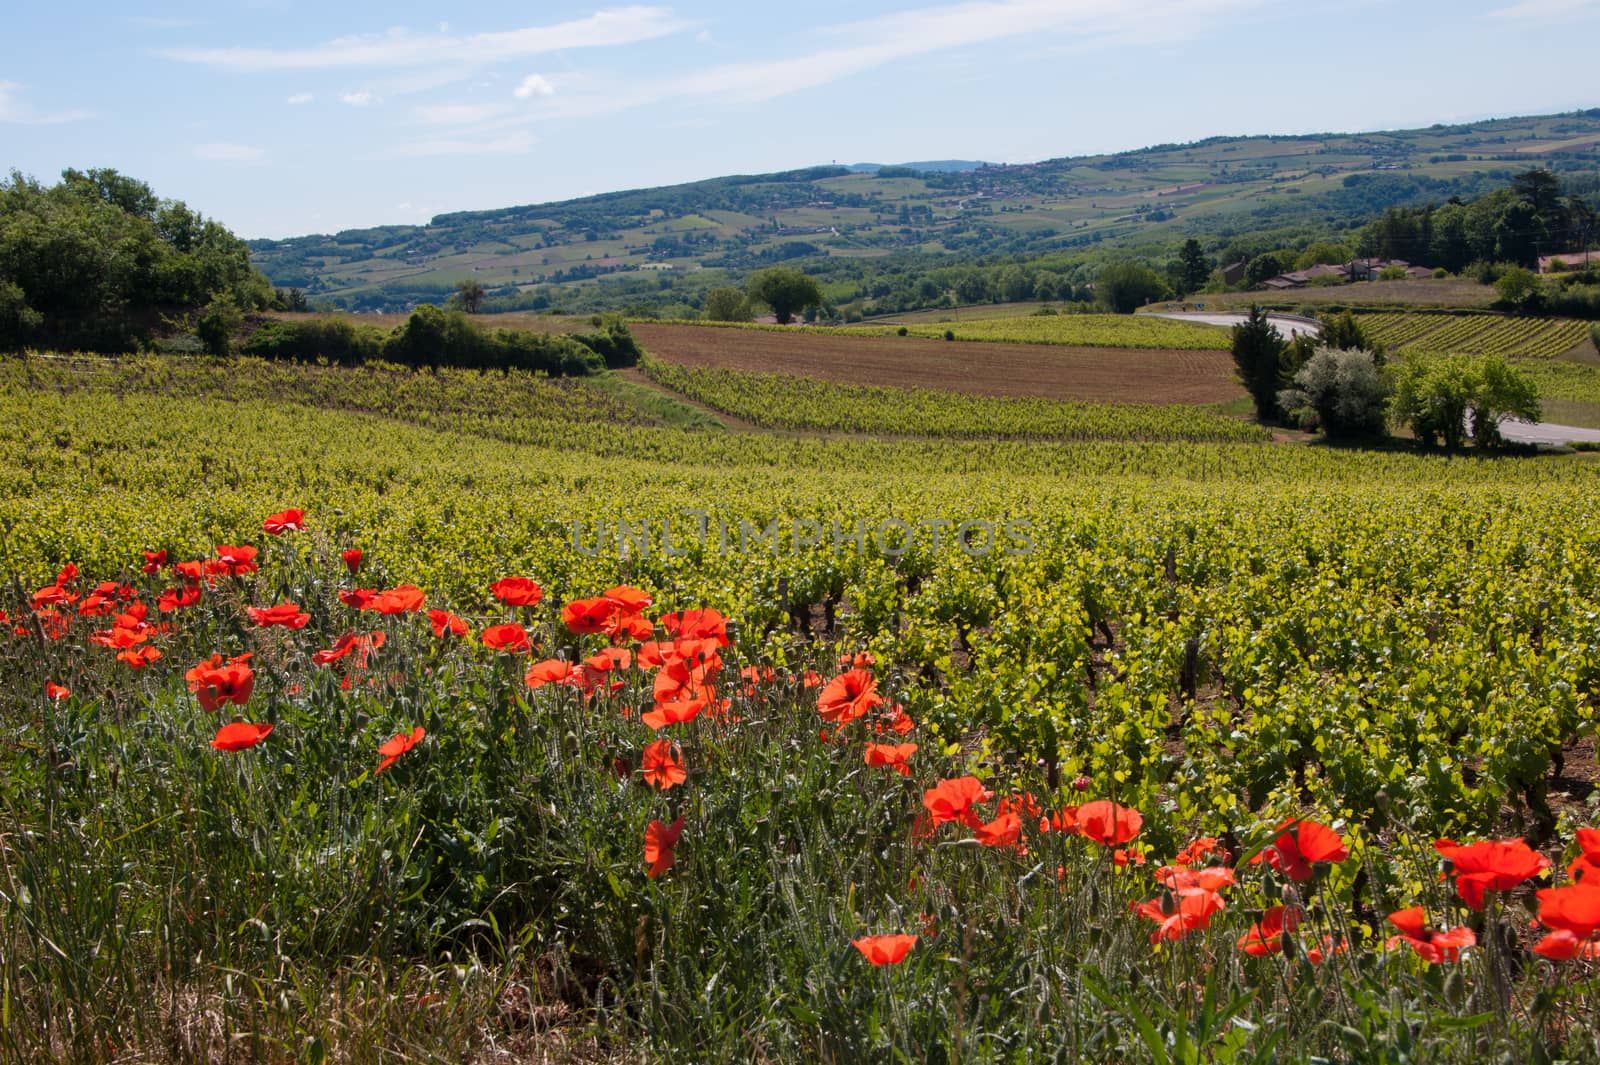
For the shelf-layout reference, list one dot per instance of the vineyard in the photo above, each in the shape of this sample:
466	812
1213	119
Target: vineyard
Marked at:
1474	334
1075	330
1217	702
786	402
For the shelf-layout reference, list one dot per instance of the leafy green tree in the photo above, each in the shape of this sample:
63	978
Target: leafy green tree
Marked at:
1344	389
1125	287
217	323
726	305
1270	264
1258	355
1518	289
1194	269
17	320
1441	396
1344	333
785	290
470	296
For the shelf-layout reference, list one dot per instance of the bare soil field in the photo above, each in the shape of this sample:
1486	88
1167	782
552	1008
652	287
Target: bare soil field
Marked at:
1116	375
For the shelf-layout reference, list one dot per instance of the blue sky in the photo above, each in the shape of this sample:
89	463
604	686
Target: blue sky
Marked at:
283	117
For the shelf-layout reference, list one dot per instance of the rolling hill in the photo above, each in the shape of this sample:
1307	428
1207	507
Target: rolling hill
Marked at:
722	227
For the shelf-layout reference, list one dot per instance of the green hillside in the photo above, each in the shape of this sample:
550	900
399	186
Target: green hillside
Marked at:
685	238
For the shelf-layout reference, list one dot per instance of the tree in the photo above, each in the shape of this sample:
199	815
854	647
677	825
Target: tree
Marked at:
786	290
1344	333
1264	266
1345	390
726	305
217	324
1258	351
1125	287
1194	269
470	295
1441	396
1518	289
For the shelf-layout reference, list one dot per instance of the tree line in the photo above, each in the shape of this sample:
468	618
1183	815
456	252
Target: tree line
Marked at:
99	262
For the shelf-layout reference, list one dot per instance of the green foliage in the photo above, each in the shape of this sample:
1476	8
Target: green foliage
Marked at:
1518	289
98	258
1472	334
726	305
1194	269
1435	395
1344	333
1126	286
1258	354
216	324
1343	389
785	290
470	296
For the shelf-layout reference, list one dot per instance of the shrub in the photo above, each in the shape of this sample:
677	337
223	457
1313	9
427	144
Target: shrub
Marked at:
1518	289
216	325
1345	390
902	331
1438	396
949	334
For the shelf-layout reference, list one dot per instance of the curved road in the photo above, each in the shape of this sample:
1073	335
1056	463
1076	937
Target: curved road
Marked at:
1514	429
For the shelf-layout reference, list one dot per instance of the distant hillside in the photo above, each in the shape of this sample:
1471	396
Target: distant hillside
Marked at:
723	227
934	166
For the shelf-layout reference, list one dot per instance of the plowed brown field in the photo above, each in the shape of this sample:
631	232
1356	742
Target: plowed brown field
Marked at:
1127	375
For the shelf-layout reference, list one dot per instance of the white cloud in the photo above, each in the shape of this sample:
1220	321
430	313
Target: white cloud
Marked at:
534	85
301	98
16	110
518	143
223	152
358	99
397	48
1547	10
457	114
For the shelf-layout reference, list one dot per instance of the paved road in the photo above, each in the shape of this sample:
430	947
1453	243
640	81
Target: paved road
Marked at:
1545	432
1289	327
1512	429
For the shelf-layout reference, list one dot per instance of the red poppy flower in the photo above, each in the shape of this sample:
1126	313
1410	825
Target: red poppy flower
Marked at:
584	617
1266	935
404	599
190	572
358	598
1432	945
631	627
1194	910
673	712
215	683
517	591
663	765
96	605
443	621
139	657
1588	861
1109	823
1574	908
1299	845
900	721
52	595
884	950
352	560
1178	878
397	745
860	660
1004	831
702	624
239	736
119	636
660	846
848	696
1199	852
952	800
154	560
550	671
629	600
56	692
1491	865
176	598
348	643
893	755
288	615
235	561
512	639
68	573
284	521
1562	945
